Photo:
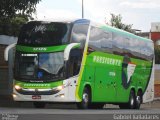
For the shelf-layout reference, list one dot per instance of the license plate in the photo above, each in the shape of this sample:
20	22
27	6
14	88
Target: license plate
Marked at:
35	97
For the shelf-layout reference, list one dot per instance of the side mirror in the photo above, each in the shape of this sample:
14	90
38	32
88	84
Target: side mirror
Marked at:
6	52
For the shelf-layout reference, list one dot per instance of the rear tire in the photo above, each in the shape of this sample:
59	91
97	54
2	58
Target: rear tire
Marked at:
138	100
86	99
132	102
39	104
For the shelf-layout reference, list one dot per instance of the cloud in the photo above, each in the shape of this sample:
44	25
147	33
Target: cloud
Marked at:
96	10
140	13
48	13
141	4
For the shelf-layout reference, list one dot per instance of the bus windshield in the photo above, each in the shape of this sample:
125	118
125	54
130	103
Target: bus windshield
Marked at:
41	66
44	33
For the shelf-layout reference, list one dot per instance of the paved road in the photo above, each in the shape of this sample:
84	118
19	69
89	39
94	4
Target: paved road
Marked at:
75	114
76	111
70	112
26	111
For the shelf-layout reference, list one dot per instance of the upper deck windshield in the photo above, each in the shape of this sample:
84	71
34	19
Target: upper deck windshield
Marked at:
44	33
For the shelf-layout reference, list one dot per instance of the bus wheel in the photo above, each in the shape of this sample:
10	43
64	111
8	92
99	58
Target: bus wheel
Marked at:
131	104
132	100
138	100
39	104
86	98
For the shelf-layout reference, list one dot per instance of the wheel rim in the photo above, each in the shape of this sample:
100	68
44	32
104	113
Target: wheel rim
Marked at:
85	98
138	100
132	101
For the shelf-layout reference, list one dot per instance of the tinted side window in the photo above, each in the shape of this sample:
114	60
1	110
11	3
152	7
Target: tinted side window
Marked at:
118	43
96	35
147	50
100	40
79	34
106	42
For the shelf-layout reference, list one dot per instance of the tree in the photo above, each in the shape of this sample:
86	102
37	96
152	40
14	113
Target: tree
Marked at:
10	8
14	13
12	26
116	21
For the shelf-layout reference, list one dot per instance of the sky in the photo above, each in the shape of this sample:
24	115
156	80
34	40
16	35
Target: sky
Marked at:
140	13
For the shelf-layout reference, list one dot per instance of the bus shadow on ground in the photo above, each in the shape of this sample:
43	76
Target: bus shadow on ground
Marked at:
7	101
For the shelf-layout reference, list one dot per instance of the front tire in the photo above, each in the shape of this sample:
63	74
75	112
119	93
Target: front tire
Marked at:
86	99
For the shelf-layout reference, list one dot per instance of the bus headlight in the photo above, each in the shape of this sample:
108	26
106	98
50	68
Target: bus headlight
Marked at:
17	87
14	95
60	87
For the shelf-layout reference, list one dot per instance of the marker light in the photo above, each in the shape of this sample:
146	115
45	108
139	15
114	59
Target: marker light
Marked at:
17	87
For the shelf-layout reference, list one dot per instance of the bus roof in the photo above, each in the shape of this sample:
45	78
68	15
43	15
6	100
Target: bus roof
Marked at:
65	20
103	26
120	31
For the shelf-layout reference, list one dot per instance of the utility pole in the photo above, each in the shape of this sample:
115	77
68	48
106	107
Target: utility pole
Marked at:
82	10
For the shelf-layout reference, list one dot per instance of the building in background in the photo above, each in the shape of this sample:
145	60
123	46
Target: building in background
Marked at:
144	34
155	32
155	36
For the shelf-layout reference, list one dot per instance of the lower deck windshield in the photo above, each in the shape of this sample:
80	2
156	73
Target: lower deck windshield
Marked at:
40	66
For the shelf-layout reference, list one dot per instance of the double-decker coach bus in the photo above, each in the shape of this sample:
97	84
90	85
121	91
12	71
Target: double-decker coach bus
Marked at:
81	62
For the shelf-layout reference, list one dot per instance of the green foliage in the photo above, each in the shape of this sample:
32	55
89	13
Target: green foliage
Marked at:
116	21
12	26
10	8
157	54
14	13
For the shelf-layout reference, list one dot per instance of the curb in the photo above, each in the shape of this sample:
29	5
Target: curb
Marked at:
157	98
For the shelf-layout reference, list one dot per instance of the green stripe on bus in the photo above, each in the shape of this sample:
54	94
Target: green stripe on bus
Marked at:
40	49
39	85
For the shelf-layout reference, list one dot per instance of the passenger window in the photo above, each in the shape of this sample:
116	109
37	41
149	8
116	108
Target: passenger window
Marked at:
95	37
100	39
106	42
118	43
79	34
127	44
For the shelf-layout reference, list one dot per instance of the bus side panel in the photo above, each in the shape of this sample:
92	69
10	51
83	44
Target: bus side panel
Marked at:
105	76
87	80
122	93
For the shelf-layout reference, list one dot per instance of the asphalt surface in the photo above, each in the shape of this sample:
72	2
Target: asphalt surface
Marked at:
75	114
10	110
